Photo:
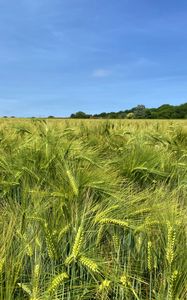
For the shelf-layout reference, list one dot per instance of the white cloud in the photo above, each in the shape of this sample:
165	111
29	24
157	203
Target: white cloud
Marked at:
101	73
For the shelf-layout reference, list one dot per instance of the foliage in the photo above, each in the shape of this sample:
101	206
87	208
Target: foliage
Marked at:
130	115
80	115
165	111
93	209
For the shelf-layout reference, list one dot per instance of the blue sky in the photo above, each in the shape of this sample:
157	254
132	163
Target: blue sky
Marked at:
61	56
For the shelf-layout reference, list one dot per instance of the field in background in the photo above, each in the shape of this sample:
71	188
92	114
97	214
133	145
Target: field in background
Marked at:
93	209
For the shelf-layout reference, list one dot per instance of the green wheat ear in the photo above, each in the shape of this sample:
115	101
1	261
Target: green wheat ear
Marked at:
170	243
99	234
49	242
116	241
114	222
87	262
69	259
76	247
124	279
57	280
63	232
105	284
172	280
78	242
72	182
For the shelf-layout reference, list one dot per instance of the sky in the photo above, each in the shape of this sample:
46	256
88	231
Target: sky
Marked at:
58	57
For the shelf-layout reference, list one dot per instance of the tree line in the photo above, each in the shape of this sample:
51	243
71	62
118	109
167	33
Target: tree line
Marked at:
165	111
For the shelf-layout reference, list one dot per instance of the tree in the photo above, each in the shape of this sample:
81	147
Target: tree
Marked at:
80	115
103	115
148	114
140	111
130	115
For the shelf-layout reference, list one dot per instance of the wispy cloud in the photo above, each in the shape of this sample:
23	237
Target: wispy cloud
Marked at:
101	73
144	62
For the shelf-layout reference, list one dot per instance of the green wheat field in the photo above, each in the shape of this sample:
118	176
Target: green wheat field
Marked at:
93	209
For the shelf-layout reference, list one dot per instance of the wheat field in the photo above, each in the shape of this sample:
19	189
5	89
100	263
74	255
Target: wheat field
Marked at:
93	209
